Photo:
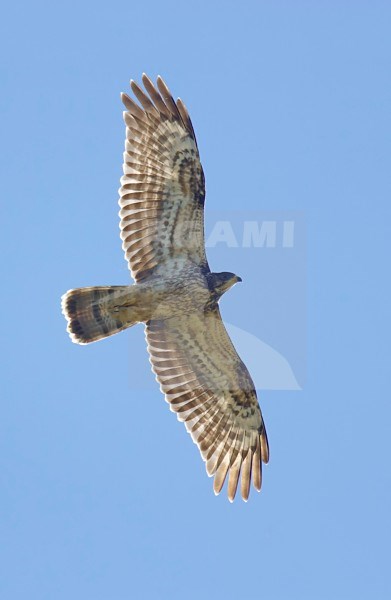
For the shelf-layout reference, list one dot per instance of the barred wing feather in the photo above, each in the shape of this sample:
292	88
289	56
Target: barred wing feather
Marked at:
210	389
162	190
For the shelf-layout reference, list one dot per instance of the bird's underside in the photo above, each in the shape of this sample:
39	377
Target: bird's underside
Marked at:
162	228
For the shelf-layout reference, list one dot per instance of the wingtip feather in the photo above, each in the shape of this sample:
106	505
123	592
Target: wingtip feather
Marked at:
257	468
265	453
233	479
246	476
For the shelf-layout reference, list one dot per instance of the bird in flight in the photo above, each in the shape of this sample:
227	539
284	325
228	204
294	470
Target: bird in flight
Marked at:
175	294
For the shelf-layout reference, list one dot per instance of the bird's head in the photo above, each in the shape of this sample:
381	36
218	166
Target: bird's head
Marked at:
221	282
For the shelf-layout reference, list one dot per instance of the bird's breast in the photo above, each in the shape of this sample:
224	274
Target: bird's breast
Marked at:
172	294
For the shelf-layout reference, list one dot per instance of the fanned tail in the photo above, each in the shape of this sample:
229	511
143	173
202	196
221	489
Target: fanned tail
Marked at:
94	313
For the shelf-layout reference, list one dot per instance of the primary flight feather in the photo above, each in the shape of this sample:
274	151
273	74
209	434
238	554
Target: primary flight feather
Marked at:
162	199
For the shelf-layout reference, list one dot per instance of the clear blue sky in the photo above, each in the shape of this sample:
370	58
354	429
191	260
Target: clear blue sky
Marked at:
103	495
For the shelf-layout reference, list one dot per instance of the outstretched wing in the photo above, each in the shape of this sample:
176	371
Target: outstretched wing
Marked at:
162	190
211	390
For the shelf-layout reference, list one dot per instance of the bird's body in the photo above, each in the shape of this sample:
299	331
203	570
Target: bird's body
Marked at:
175	294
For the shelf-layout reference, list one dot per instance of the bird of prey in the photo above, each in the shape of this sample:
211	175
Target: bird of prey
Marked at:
175	294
